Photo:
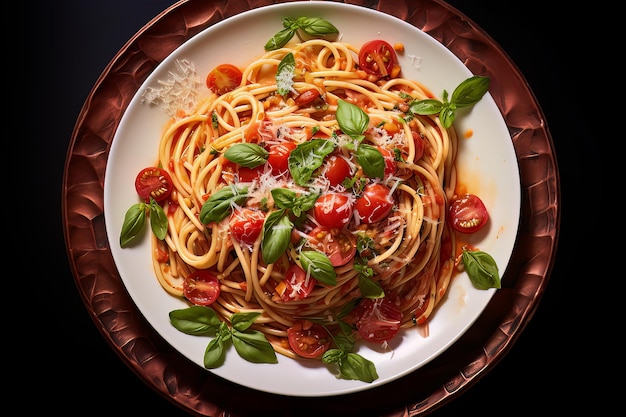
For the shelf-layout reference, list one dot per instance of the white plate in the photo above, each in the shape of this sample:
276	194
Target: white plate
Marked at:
487	163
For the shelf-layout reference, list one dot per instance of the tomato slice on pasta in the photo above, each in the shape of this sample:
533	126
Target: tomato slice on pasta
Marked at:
338	244
308	339
378	58
201	287
224	78
377	320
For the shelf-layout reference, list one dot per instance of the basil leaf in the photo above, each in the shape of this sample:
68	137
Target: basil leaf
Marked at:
307	157
134	223
195	320
214	354
351	365
371	160
352	120
158	220
470	91
447	116
219	205
284	74
370	288
276	235
482	269
316	26
319	266
242	321
280	39
254	347
298	204
426	107
249	155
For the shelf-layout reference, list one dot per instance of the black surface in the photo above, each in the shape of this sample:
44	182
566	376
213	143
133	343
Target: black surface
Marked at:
73	42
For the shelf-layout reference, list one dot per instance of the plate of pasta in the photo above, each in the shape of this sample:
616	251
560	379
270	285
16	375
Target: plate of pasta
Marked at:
315	191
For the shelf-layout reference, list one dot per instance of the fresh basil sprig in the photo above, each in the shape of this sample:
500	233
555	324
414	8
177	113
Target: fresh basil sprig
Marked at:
249	155
251	345
220	204
350	365
307	157
352	120
284	74
466	94
481	269
368	287
298	204
315	27
135	222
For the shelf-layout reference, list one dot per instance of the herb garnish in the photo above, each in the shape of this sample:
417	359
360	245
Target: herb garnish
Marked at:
315	27
466	94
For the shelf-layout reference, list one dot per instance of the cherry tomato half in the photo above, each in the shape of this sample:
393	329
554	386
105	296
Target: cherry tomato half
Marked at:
390	162
307	339
336	169
201	287
246	225
338	244
224	78
378	58
307	97
153	182
296	284
468	214
333	210
279	155
374	204
377	320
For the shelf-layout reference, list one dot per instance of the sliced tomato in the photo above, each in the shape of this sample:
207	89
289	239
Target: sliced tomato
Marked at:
153	182
201	287
333	210
279	155
224	78
338	244
337	169
246	225
374	204
308	339
468	213
377	320
245	174
295	285
390	160
378	58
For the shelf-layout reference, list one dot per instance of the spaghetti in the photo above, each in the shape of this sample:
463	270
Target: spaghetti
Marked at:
409	253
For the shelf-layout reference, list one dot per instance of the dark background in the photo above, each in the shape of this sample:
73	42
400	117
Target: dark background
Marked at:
76	39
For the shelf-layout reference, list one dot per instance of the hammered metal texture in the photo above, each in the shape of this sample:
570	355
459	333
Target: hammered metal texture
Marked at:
200	392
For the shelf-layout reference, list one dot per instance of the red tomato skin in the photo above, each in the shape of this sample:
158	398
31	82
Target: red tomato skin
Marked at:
246	225
224	78
278	157
307	97
390	163
307	339
245	174
468	214
337	170
338	244
201	287
378	58
297	285
333	210
378	320
153	182
374	204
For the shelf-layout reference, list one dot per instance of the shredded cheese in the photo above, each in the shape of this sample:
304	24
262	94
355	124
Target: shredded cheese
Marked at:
179	92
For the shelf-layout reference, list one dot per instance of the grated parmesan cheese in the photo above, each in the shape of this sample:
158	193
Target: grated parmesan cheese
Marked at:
178	92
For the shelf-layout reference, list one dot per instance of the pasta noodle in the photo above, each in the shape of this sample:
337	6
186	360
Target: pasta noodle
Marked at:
411	251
